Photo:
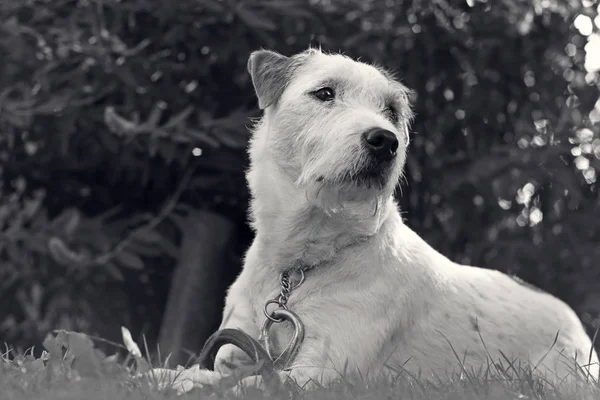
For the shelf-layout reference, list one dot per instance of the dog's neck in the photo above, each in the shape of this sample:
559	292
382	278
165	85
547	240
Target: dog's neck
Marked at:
293	233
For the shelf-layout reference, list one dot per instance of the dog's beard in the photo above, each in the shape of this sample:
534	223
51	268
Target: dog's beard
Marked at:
356	185
354	193
369	175
342	198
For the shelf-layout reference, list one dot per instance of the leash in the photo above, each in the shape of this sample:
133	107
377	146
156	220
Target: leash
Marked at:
248	345
260	351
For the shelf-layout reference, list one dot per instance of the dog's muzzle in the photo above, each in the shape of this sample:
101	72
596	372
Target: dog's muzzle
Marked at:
381	144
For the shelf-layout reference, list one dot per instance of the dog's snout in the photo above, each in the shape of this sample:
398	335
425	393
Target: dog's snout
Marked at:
382	143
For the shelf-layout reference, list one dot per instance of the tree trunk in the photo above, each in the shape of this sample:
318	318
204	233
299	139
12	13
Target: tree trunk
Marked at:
195	301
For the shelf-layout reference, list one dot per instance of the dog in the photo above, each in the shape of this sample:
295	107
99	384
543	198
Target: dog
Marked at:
326	157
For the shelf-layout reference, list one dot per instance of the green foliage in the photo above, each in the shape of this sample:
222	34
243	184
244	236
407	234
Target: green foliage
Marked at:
104	103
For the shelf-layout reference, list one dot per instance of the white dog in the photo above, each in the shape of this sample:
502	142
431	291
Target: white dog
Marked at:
325	159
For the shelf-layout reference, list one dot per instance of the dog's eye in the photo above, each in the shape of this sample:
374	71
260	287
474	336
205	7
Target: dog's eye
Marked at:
324	94
392	114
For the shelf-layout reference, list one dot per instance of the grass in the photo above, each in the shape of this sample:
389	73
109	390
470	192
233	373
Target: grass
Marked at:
71	368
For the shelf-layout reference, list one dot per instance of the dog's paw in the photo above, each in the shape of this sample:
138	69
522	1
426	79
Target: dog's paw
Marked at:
230	360
180	380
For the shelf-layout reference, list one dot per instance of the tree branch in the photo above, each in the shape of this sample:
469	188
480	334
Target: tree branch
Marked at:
167	209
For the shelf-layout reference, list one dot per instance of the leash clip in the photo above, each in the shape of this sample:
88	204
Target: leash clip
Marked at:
290	352
281	314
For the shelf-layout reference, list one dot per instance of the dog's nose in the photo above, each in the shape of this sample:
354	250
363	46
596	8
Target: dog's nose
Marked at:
381	143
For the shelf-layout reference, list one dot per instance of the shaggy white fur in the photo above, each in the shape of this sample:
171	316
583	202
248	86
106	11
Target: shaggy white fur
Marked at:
378	298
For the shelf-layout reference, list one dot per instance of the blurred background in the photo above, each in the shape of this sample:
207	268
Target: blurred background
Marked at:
123	128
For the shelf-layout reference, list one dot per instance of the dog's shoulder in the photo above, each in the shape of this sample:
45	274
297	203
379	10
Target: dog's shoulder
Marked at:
526	284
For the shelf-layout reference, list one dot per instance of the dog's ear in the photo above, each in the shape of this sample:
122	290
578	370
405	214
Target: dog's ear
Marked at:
270	75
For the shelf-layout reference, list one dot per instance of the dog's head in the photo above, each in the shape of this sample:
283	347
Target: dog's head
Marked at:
337	127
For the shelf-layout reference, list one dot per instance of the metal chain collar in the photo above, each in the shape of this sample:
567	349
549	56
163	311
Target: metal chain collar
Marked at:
281	314
282	298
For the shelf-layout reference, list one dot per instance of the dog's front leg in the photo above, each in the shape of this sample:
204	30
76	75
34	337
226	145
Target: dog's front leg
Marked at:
238	314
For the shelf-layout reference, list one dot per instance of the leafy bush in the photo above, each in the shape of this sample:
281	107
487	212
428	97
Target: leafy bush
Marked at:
104	104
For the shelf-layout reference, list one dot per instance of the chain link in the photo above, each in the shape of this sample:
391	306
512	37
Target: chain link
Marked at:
284	294
281	314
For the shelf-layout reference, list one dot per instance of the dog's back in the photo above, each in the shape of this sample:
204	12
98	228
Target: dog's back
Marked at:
484	316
